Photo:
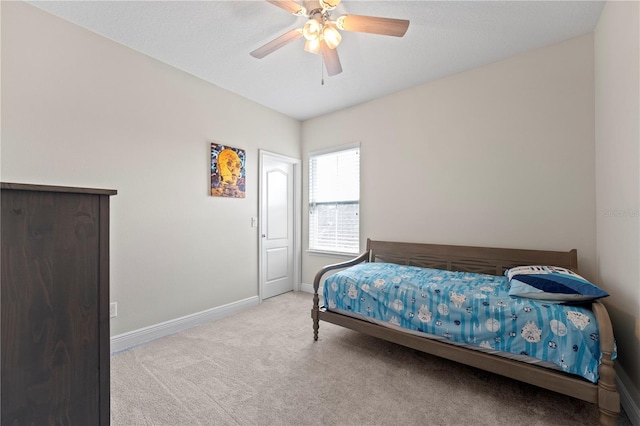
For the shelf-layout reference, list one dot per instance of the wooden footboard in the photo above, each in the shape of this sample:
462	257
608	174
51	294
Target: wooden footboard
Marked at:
608	396
488	261
364	257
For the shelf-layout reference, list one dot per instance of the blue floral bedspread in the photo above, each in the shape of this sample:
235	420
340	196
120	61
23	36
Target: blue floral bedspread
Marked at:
472	309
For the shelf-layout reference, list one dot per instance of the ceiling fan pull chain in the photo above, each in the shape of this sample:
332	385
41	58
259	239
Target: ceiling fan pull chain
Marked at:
322	70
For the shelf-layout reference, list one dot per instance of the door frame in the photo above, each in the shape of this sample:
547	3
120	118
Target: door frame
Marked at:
297	218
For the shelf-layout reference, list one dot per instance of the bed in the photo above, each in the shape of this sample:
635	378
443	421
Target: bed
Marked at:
597	384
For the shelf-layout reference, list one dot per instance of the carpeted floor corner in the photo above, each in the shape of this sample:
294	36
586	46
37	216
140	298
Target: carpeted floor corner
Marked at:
262	367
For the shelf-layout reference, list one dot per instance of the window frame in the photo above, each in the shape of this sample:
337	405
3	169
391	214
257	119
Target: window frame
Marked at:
331	150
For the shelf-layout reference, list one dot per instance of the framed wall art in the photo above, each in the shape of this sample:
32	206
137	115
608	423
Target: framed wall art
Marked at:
227	171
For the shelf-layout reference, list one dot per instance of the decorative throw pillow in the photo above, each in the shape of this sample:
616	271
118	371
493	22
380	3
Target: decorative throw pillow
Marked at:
552	284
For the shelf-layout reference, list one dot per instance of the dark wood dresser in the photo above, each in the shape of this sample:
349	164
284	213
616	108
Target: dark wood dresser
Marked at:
54	305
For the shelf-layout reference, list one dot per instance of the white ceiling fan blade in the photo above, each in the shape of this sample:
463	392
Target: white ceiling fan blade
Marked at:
290	6
331	59
373	25
277	43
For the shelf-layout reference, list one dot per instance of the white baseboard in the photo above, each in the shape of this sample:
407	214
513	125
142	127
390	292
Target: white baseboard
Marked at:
627	401
307	288
128	340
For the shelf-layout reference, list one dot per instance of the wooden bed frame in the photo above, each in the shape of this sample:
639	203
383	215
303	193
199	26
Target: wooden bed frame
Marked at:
492	261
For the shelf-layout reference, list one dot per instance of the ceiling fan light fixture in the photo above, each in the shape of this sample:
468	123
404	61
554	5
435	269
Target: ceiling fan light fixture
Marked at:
312	30
329	4
331	36
312	46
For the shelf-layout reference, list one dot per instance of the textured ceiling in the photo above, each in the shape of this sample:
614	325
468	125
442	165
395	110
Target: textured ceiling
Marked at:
212	40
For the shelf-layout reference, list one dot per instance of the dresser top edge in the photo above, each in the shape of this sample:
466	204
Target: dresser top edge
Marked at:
53	188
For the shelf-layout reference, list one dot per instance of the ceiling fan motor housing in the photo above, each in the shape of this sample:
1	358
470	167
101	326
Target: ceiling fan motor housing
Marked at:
312	5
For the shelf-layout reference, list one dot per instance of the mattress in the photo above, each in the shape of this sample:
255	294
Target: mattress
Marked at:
473	310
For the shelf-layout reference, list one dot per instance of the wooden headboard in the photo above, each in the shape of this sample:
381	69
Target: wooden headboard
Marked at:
483	260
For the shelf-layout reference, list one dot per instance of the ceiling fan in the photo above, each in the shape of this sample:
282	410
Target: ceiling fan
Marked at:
321	30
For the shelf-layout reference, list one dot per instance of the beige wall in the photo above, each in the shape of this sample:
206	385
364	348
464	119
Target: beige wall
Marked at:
81	110
499	156
617	90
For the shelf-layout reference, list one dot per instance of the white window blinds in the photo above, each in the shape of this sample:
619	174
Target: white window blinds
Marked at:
334	201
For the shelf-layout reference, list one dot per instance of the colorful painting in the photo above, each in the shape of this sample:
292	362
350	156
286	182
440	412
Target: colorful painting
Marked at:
227	171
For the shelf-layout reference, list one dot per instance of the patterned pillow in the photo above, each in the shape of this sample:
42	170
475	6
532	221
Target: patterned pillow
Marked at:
552	284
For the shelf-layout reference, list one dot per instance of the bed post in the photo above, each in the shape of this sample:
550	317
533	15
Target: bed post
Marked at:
315	311
608	396
573	260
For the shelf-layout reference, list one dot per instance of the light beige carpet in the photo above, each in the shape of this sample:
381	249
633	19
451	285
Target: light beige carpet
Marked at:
262	367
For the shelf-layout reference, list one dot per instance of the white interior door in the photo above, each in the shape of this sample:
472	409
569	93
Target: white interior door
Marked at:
277	226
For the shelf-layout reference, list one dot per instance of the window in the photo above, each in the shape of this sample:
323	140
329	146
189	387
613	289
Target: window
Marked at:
334	201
